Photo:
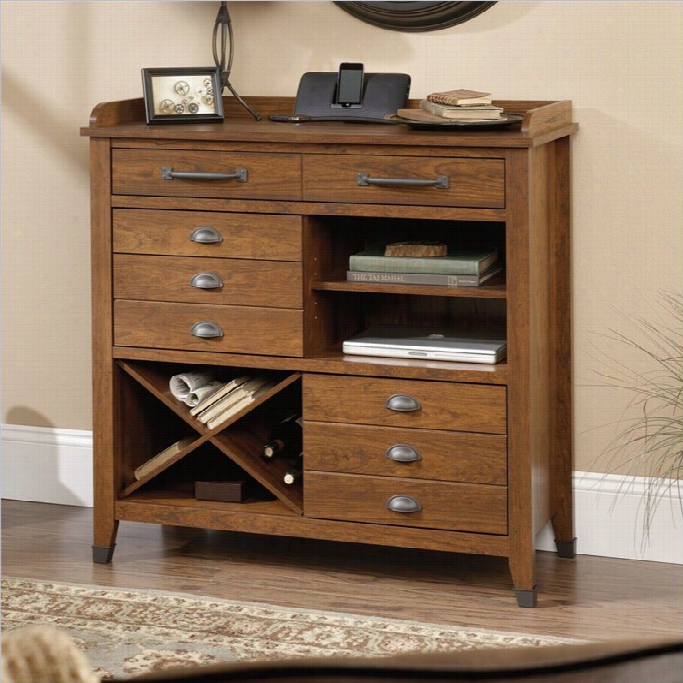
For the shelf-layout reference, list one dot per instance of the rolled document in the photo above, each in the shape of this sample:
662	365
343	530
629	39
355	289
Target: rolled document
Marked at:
182	385
198	395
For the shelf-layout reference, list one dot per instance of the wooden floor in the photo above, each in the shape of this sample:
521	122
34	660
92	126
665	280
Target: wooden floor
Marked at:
589	597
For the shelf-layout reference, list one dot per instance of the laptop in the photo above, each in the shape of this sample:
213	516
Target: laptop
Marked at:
427	344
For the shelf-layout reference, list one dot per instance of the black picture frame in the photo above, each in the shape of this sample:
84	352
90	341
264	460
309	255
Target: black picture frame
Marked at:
413	17
182	95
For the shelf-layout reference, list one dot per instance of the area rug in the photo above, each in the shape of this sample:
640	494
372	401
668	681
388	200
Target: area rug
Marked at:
128	632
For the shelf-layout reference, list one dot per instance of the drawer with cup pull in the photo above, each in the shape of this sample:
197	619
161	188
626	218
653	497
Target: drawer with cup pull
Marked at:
414	453
408	502
203	327
182	279
433	181
207	233
195	173
405	403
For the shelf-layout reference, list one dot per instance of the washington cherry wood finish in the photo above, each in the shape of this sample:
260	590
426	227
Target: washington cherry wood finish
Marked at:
482	461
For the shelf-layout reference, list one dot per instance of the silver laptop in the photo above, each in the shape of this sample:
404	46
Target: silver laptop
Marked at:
410	342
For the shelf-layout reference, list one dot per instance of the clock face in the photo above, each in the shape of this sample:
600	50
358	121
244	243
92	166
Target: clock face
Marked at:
414	16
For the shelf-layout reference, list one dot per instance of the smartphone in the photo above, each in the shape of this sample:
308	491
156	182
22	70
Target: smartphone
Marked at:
350	84
293	118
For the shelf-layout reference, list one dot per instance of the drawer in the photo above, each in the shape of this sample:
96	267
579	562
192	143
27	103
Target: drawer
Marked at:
262	176
470	182
458	507
181	279
204	233
433	405
414	453
268	331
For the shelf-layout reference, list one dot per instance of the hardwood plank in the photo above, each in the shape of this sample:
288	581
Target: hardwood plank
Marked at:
590	597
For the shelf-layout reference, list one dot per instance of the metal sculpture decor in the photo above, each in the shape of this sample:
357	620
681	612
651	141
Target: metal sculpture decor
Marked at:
223	55
414	16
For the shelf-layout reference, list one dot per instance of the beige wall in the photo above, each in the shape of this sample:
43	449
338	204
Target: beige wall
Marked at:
620	63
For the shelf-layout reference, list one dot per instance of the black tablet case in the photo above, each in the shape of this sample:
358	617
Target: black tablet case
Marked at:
383	94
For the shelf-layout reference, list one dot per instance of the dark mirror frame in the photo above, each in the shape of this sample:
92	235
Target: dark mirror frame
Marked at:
414	16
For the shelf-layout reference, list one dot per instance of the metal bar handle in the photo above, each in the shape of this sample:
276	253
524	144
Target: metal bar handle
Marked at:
404	504
239	174
206	281
206	330
402	403
403	453
206	236
441	182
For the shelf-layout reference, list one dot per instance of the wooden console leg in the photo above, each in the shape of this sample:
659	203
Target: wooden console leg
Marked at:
104	540
561	413
523	570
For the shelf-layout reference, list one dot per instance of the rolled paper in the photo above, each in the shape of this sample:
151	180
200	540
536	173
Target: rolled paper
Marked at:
182	385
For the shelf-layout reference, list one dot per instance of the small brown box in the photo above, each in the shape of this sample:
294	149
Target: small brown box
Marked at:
224	491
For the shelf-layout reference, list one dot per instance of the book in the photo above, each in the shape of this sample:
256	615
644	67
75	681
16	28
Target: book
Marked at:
217	395
435	279
163	457
229	399
416	248
447	111
456	262
461	98
248	397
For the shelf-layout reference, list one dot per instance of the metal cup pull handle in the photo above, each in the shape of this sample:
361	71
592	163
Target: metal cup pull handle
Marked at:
402	403
206	281
206	236
206	330
403	453
403	504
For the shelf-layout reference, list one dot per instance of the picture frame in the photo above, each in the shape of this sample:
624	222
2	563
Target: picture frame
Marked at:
182	95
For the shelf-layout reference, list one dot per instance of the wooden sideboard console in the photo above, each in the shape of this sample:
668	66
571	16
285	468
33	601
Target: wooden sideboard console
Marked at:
495	440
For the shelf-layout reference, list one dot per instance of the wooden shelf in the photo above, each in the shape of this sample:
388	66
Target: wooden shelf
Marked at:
495	290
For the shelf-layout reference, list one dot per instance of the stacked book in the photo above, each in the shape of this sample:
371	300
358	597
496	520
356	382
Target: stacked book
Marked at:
454	105
455	268
230	399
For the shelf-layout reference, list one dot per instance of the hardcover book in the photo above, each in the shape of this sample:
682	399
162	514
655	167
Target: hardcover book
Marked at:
461	97
434	279
163	457
456	262
446	111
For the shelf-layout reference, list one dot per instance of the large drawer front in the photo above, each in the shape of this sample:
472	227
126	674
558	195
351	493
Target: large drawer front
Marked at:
414	453
267	331
264	176
458	507
469	182
208	280
438	405
207	233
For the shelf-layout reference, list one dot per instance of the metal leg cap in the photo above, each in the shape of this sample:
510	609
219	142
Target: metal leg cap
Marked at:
526	598
566	548
102	555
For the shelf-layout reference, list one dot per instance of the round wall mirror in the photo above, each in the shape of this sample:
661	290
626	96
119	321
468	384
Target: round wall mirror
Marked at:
414	16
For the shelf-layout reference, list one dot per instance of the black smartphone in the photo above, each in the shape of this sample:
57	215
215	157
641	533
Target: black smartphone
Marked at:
350	84
287	118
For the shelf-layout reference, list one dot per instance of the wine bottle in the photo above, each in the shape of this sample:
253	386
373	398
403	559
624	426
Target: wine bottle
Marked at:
294	473
286	439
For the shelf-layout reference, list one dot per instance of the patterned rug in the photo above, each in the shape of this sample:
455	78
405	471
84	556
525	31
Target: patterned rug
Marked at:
129	632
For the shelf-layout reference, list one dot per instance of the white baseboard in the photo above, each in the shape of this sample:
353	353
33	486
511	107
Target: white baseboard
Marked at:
47	465
609	520
55	466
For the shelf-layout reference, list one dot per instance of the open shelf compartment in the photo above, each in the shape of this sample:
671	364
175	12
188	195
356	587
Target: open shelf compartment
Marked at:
240	438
